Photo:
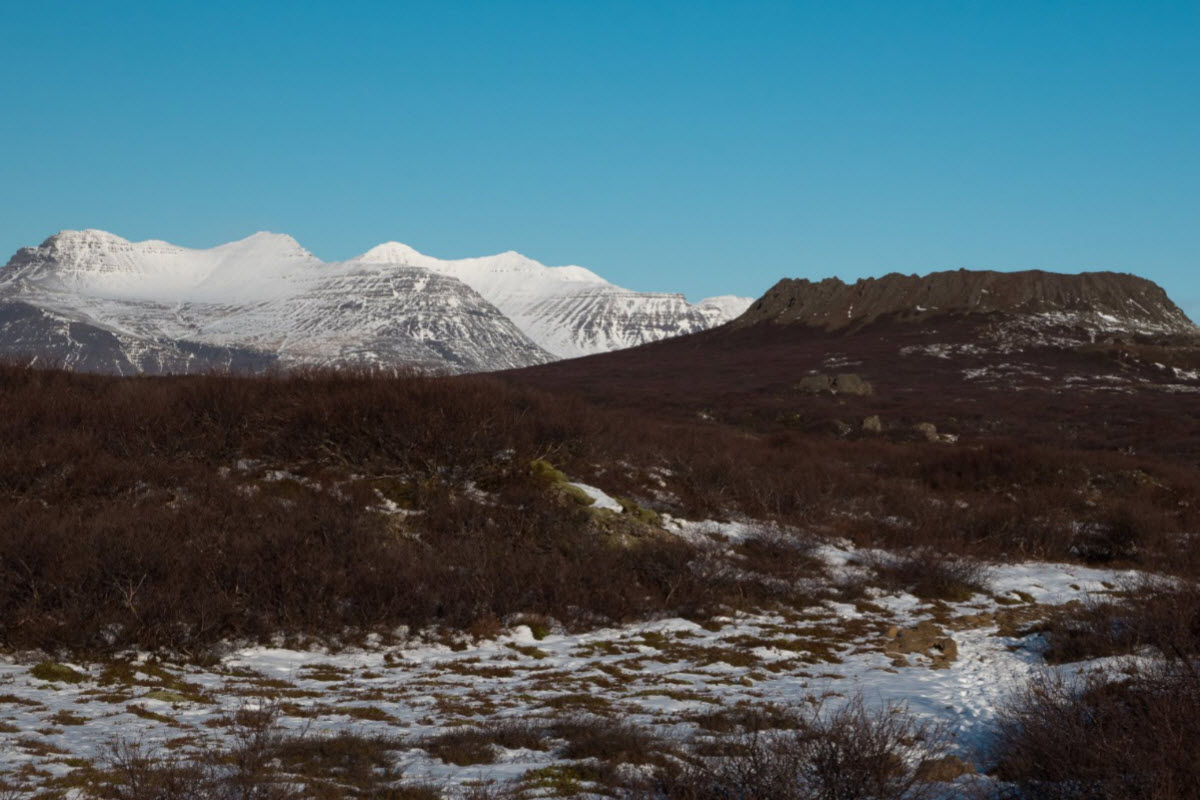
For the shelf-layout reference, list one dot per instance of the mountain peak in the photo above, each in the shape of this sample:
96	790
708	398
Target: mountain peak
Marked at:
268	236
66	241
265	245
512	256
87	234
393	253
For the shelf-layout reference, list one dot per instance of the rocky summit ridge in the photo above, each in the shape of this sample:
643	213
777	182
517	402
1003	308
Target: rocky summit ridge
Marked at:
1101	301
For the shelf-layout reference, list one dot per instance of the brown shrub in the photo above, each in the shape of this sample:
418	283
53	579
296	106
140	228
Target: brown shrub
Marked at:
240	772
851	754
180	512
347	759
1118	537
1104	736
1151	614
750	719
462	747
930	574
134	773
260	763
610	740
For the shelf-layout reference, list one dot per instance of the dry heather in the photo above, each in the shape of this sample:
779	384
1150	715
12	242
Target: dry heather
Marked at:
181	512
1103	736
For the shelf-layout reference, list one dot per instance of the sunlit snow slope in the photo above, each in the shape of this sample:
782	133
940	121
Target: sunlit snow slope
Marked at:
570	311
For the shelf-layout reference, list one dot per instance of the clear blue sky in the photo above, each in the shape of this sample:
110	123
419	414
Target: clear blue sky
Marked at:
704	147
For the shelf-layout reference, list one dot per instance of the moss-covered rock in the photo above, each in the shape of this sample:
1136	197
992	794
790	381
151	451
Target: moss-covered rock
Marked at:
646	515
546	471
557	480
56	673
576	494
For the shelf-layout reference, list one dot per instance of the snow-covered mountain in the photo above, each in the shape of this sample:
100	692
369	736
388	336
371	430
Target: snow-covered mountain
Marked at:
570	311
723	308
94	301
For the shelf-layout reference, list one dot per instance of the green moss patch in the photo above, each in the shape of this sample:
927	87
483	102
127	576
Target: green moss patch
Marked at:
640	513
556	479
56	673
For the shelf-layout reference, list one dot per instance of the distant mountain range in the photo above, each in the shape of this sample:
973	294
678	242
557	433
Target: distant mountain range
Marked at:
92	301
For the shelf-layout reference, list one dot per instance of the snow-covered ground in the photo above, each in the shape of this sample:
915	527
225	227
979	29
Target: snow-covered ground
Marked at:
660	674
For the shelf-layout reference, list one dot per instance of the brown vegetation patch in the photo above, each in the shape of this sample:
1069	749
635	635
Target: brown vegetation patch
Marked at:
1113	737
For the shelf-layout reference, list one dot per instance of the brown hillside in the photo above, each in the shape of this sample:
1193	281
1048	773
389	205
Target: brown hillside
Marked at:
974	376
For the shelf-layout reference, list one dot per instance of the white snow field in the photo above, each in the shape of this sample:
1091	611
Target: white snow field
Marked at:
661	674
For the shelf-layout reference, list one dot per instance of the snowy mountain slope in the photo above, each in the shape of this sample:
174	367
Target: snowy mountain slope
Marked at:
349	314
723	308
569	311
264	296
43	337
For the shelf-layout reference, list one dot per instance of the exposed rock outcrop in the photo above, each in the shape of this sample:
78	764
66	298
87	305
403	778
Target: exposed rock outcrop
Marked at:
1106	301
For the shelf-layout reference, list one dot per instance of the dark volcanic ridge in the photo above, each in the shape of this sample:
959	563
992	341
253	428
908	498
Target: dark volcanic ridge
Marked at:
1103	301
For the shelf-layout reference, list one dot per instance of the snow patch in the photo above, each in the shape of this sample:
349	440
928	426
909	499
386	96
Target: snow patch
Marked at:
599	498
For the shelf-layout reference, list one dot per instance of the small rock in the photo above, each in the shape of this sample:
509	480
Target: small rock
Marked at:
918	638
814	384
926	639
944	652
928	430
872	424
943	770
852	383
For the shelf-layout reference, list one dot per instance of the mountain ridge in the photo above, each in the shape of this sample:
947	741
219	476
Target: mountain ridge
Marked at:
268	300
1102	300
570	311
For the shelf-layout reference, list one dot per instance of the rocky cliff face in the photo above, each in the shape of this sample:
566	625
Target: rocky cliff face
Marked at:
1100	301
